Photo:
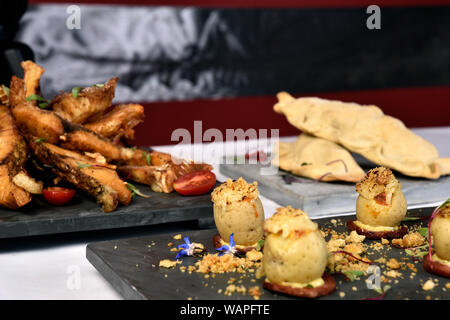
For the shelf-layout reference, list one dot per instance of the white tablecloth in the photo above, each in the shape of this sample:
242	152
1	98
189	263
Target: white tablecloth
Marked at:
55	267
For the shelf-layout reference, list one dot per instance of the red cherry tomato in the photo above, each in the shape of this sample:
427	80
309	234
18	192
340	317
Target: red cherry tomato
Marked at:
195	183
58	196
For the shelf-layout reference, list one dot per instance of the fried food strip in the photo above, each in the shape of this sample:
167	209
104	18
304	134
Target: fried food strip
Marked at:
162	172
23	180
32	77
31	119
382	139
38	122
47	125
317	158
90	102
81	139
16	91
159	178
139	157
96	179
11	196
118	122
13	153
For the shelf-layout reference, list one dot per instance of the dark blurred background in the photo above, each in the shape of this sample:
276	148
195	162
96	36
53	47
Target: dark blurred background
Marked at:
223	61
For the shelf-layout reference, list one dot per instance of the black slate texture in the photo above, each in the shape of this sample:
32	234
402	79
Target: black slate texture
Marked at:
132	268
83	214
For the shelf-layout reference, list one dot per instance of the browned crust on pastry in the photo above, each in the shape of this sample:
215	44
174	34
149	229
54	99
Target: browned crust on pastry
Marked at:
328	287
217	244
436	267
399	233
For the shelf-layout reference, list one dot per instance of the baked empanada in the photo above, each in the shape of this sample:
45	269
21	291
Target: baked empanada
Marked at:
366	130
318	158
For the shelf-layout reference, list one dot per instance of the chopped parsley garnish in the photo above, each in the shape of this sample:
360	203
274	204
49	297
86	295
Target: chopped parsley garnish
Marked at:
135	191
260	245
36	97
147	157
305	164
83	165
352	275
42	102
75	91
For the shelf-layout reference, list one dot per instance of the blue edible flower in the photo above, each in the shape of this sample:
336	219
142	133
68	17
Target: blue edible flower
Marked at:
231	249
189	249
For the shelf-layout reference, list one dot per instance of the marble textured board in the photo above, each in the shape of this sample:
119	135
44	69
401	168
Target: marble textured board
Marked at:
325	198
131	266
83	214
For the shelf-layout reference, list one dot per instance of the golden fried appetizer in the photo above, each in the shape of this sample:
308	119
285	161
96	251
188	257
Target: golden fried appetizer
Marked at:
118	122
38	122
13	154
159	178
382	139
32	76
83	140
155	169
97	179
17	91
318	159
380	207
80	106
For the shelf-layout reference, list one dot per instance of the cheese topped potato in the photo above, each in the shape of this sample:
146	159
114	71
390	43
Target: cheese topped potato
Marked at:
381	201
295	253
238	210
440	229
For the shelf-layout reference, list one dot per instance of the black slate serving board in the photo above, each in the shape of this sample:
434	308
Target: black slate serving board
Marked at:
84	214
132	268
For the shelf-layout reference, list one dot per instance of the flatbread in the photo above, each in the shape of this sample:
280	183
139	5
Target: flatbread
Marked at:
366	130
318	158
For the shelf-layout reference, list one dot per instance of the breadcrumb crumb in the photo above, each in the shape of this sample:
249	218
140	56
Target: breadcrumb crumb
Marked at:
429	285
166	263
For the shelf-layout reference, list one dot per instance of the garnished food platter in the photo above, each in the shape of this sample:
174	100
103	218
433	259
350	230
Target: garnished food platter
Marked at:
323	198
140	268
69	164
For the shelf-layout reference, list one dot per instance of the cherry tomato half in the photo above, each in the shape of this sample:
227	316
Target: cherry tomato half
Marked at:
58	196
195	183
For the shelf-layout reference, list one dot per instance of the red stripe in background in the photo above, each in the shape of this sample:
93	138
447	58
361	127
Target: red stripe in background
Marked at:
416	107
260	3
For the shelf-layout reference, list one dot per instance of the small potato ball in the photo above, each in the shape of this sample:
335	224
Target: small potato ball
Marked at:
381	201
368	211
294	249
238	210
245	219
440	229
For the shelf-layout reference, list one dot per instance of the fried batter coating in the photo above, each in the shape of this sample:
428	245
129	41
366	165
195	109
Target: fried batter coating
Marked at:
88	103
